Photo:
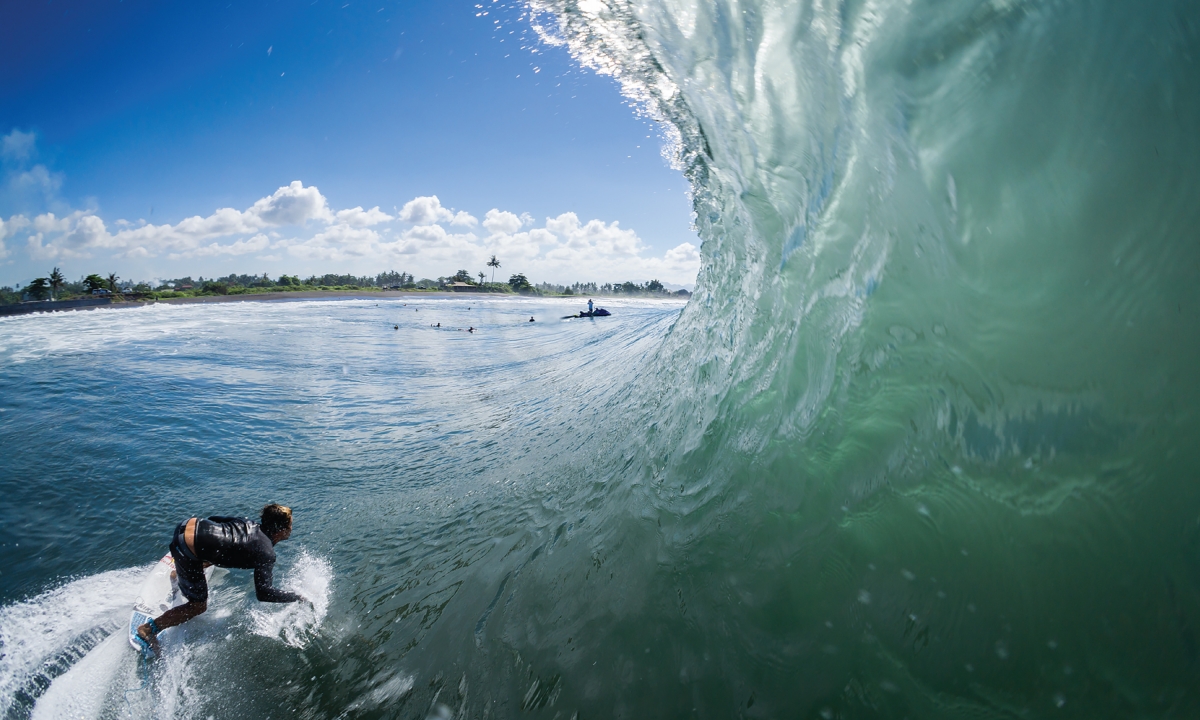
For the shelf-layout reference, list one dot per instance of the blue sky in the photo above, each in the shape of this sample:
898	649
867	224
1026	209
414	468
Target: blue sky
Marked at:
156	139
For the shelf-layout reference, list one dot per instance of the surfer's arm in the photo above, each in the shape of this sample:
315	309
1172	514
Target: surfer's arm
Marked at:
264	590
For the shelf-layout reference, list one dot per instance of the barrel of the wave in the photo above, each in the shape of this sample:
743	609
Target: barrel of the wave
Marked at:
159	593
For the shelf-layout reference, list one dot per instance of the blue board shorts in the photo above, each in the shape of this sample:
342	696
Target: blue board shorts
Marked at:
189	569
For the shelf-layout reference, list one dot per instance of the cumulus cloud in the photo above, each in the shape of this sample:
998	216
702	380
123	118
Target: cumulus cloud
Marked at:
501	222
74	234
296	223
425	210
465	219
291	205
357	217
242	247
339	242
569	249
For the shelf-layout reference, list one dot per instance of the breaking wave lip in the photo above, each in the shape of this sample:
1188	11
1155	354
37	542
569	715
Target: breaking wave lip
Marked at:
931	309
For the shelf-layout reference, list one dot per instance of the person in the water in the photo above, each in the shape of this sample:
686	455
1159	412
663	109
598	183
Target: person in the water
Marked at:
228	542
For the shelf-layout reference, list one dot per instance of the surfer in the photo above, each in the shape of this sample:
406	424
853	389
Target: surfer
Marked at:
228	542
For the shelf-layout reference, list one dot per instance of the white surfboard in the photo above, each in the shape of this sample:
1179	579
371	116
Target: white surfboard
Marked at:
159	593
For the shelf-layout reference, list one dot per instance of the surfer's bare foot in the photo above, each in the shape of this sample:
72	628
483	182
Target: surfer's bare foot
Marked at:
146	634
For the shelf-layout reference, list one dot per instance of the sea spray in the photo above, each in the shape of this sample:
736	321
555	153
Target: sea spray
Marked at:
297	623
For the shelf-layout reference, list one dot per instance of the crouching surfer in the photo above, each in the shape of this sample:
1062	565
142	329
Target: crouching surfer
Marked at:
228	542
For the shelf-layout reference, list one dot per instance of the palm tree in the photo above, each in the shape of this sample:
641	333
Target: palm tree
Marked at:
493	264
93	282
112	281
56	281
481	277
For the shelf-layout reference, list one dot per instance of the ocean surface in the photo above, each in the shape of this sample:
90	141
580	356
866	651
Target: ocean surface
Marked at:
922	445
414	458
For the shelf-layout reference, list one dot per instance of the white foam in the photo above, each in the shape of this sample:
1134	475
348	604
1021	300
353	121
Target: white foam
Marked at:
84	690
40	637
296	623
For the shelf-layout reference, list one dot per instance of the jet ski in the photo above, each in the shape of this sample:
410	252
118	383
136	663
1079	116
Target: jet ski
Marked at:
598	312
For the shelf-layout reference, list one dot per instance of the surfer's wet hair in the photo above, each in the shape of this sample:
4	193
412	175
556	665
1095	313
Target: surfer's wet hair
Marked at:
276	518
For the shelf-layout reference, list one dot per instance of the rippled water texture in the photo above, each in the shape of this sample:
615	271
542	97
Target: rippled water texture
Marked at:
405	452
923	444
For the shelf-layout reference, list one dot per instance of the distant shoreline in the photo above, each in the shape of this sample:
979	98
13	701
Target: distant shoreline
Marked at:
103	303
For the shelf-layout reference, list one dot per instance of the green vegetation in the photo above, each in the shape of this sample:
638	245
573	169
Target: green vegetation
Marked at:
519	283
55	286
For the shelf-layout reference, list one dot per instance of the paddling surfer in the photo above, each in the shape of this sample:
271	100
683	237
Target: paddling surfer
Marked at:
228	542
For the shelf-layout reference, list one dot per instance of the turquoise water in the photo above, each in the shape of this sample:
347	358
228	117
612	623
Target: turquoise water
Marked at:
922	445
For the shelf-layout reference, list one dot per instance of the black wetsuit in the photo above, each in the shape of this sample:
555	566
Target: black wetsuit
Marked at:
227	542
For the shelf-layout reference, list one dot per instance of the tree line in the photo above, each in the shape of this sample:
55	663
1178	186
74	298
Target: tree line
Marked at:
54	286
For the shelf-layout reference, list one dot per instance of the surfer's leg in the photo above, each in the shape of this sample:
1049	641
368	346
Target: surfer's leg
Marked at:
189	573
175	616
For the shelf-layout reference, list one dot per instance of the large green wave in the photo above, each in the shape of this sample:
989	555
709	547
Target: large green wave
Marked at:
924	442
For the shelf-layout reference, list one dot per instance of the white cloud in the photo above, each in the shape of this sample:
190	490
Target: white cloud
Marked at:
464	219
17	146
295	223
8	228
425	210
595	237
75	234
357	217
241	247
684	255
291	205
88	230
339	242
501	222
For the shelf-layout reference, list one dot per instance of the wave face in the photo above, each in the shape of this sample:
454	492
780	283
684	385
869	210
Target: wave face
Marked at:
924	442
